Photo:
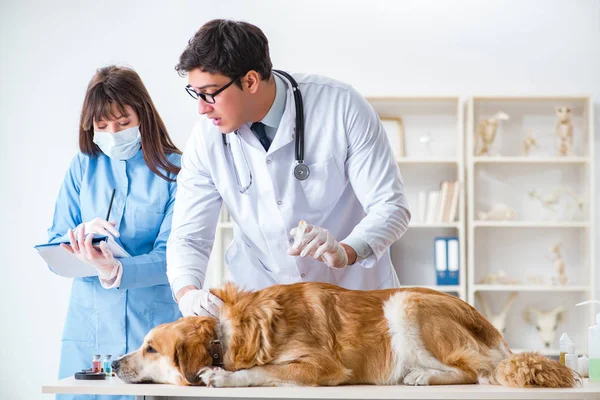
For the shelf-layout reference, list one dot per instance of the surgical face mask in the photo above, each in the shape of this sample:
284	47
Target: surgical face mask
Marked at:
120	145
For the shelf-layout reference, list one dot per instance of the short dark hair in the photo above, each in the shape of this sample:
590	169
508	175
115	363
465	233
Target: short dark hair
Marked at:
122	86
231	48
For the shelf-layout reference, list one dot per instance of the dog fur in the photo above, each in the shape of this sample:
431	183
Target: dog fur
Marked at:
316	334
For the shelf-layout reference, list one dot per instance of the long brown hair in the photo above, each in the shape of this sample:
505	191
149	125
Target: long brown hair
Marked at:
122	87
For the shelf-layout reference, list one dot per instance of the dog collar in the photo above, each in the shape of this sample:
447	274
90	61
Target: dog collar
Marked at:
216	353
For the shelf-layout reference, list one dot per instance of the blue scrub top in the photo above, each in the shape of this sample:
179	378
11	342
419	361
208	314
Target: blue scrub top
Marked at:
115	321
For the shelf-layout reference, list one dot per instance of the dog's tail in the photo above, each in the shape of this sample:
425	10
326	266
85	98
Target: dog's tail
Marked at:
534	370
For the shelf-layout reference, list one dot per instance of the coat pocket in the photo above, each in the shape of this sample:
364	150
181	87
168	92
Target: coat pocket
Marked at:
81	324
165	308
147	220
323	187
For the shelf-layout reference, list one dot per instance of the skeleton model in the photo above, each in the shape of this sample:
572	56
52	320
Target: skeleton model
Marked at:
551	201
559	265
528	143
498	212
498	320
486	133
546	322
564	130
499	278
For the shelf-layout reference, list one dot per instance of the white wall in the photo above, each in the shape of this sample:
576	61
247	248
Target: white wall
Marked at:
50	49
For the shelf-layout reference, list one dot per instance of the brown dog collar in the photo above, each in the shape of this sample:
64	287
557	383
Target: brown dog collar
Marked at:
216	353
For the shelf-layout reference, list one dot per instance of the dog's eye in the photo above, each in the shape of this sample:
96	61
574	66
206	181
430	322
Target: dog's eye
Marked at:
150	349
538	328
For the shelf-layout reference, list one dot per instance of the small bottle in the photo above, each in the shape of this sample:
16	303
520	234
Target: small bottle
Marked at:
594	345
584	366
96	363
564	341
571	358
107	365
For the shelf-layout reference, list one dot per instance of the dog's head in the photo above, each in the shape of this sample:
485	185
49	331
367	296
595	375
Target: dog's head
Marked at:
171	353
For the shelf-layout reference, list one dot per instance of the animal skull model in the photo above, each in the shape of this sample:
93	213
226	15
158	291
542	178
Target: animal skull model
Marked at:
546	322
486	132
498	320
564	130
498	212
559	265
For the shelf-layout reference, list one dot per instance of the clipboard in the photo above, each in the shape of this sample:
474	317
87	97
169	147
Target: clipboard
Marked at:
65	264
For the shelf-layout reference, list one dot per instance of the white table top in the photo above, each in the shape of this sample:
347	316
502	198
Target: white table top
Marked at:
114	386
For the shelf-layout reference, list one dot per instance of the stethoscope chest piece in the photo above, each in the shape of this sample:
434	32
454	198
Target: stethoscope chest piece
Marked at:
301	171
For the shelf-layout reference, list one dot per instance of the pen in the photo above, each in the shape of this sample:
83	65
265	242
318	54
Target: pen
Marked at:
110	204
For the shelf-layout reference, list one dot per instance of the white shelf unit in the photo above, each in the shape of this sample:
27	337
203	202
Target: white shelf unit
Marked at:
433	151
520	247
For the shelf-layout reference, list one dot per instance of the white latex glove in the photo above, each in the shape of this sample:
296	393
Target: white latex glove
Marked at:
200	302
319	244
99	226
103	260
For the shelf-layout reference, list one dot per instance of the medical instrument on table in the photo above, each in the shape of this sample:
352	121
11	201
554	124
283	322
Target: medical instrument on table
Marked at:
301	170
88	375
107	365
96	364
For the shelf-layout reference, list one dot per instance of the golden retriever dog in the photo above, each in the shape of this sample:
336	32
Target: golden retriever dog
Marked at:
316	334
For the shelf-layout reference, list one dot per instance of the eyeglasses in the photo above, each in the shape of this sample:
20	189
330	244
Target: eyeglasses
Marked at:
207	97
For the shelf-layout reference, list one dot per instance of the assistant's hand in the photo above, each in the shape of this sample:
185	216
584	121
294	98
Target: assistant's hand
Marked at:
99	226
103	259
319	244
200	302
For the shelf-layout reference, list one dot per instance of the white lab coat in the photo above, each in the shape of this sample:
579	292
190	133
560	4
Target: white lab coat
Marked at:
354	190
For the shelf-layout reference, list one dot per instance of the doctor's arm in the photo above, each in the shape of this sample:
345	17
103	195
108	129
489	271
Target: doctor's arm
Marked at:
375	178
195	219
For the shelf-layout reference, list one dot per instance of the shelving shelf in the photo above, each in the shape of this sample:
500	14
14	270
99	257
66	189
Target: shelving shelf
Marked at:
424	165
519	248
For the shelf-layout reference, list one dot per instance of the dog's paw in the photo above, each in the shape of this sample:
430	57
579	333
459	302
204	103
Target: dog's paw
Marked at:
417	377
216	377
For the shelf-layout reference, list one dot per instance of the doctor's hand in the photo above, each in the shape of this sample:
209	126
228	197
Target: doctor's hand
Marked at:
200	302
103	259
319	244
99	226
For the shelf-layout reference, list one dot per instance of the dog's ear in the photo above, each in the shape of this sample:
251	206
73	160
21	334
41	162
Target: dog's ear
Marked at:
191	356
191	350
559	311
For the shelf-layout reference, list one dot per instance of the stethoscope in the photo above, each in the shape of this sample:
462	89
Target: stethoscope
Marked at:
301	171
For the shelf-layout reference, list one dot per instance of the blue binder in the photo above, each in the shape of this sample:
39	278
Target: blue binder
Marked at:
446	256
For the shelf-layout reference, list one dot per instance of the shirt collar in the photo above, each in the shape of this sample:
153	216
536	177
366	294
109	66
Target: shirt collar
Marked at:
273	117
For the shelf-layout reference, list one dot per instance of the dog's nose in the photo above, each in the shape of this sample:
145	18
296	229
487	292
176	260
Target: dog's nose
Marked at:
115	365
547	344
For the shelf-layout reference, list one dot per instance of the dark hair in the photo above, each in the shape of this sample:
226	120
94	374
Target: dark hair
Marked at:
231	48
121	86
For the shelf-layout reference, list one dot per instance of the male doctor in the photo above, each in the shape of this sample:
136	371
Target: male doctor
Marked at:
244	153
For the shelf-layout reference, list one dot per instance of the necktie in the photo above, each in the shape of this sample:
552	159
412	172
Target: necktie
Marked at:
259	129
